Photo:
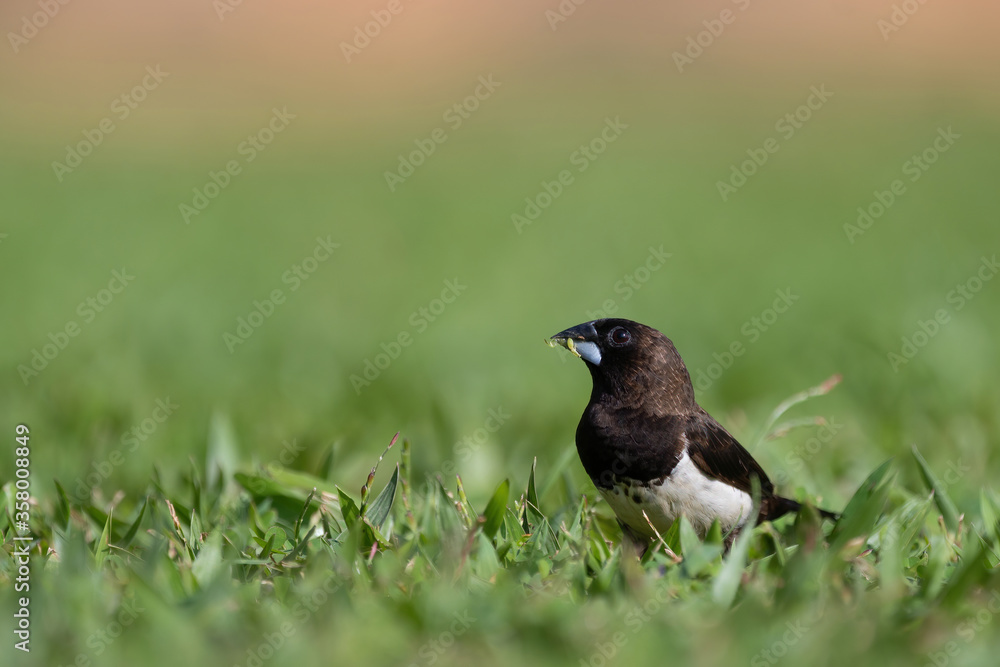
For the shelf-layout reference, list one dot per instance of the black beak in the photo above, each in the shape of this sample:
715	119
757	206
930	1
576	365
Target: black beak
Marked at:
585	331
581	332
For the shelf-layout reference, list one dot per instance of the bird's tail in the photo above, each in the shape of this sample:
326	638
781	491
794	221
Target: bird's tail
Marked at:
782	506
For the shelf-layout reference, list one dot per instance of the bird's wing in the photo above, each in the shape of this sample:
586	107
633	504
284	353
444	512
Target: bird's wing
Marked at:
719	455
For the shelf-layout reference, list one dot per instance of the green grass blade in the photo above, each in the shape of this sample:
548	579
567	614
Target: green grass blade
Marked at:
941	497
493	514
348	509
134	528
989	505
302	514
103	548
727	582
378	511
62	509
863	509
819	390
209	563
222	457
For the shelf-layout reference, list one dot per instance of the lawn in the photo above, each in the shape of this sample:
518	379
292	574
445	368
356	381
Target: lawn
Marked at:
278	262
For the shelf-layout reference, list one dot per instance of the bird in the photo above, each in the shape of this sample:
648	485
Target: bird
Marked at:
652	452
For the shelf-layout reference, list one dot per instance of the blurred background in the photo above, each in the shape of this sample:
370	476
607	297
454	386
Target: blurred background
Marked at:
231	208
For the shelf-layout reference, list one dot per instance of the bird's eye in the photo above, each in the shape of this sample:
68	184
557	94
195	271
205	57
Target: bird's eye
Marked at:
620	336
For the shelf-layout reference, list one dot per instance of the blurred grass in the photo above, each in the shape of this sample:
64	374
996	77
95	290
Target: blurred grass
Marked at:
283	401
210	571
654	186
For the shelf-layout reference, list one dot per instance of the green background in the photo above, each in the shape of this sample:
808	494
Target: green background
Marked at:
655	186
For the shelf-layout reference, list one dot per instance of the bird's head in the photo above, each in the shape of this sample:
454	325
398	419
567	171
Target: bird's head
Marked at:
630	360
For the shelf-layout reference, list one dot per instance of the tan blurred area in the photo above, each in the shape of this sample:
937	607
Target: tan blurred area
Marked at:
228	54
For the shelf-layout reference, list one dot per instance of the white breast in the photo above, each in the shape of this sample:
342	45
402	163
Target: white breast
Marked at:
686	490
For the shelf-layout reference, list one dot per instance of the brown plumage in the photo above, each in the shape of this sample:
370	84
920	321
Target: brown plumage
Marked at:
650	449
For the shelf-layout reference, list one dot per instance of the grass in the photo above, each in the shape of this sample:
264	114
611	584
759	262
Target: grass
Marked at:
270	564
205	543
